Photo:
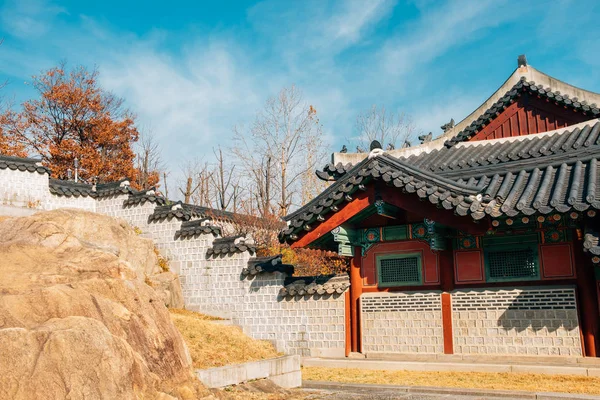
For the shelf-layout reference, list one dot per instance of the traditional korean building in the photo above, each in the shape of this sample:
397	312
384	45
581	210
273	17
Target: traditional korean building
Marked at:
482	241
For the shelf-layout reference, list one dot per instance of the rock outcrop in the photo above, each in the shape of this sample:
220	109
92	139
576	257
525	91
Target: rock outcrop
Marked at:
77	318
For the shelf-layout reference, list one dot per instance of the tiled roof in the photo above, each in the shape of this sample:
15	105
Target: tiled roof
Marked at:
113	188
210	213
541	173
197	227
137	198
315	285
523	86
174	210
397	173
70	188
333	172
23	164
231	245
486	156
257	265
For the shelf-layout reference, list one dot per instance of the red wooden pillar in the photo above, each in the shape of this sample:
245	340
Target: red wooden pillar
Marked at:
355	292
587	299
447	285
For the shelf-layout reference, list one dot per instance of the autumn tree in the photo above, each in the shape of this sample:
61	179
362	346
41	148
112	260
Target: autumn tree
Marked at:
387	127
9	144
75	118
275	150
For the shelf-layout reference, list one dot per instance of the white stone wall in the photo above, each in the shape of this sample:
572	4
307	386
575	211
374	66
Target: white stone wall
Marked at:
303	325
24	189
81	202
113	206
31	190
402	322
528	321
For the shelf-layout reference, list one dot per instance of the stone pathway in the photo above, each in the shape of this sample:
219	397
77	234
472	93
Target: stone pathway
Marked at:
379	393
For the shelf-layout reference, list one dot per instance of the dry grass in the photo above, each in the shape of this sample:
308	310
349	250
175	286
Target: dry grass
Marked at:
192	314
213	345
473	380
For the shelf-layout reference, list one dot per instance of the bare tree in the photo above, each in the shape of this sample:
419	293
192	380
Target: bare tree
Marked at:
275	150
195	185
388	128
312	186
225	183
165	174
148	161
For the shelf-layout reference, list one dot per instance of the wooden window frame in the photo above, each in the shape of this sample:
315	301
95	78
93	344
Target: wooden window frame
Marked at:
512	246
417	255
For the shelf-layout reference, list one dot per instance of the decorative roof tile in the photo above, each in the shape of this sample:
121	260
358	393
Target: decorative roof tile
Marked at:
23	164
333	172
315	285
231	245
591	244
150	196
174	210
113	188
269	264
70	189
195	228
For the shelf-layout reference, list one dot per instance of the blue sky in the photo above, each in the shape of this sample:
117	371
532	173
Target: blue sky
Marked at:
192	70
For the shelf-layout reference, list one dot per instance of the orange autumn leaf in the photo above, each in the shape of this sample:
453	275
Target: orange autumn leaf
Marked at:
75	118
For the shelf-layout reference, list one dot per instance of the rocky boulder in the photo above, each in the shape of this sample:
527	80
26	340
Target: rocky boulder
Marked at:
77	318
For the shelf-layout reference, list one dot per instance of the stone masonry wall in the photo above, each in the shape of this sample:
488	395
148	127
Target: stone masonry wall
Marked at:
402	322
31	190
23	188
304	325
529	321
82	202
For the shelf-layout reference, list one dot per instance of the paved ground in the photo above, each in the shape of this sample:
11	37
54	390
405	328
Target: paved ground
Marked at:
382	394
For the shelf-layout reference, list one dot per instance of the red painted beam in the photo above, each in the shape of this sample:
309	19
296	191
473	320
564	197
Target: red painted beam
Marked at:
355	292
447	323
447	285
412	203
349	210
587	300
347	317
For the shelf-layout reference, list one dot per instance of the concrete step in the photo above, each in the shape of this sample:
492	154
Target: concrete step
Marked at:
389	365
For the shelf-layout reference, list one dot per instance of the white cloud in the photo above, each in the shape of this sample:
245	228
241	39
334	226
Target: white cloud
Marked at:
348	26
438	30
28	18
191	102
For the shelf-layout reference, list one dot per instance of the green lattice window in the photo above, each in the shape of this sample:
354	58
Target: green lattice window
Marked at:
399	270
512	263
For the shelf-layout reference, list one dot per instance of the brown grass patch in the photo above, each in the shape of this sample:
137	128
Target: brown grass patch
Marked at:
213	345
469	380
192	314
